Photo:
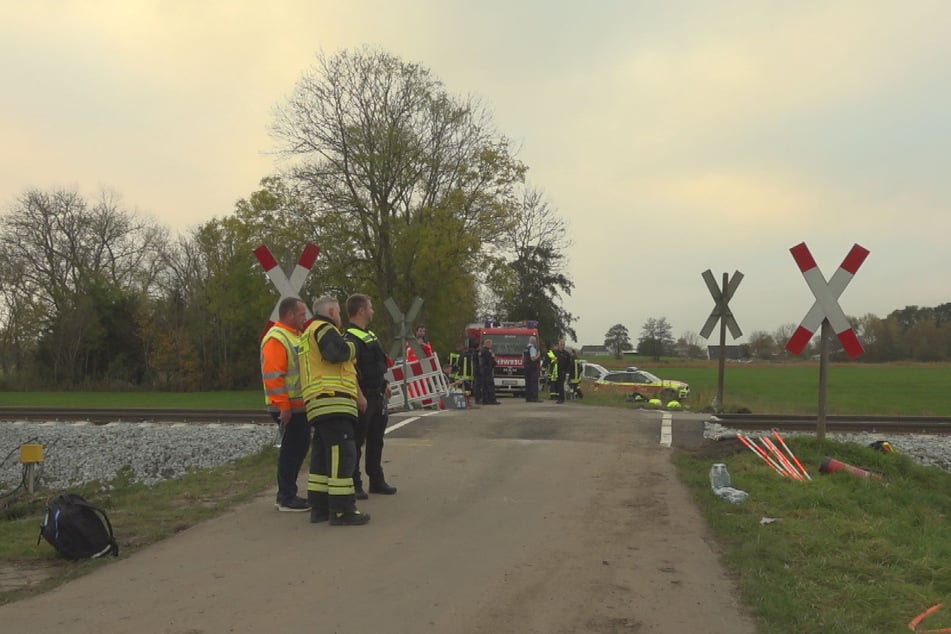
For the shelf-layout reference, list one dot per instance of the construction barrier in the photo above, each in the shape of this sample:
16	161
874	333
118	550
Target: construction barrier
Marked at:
424	386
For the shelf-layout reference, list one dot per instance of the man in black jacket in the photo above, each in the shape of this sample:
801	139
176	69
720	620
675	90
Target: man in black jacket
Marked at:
487	373
371	375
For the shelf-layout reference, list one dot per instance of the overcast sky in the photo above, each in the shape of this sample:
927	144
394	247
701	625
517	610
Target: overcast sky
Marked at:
673	136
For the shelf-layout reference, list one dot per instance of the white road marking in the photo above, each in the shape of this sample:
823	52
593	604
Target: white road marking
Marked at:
665	429
409	420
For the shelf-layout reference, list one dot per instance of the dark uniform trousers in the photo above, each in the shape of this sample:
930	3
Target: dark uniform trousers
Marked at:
369	430
333	456
295	440
531	381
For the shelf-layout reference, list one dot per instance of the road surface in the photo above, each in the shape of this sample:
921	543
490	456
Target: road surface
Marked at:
511	518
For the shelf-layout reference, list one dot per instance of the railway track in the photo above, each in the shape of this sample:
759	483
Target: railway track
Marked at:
876	424
100	416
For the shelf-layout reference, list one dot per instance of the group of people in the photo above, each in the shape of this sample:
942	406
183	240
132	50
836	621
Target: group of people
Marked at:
560	367
326	387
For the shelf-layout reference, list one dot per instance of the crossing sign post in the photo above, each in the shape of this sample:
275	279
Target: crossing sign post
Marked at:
825	315
286	286
721	312
403	335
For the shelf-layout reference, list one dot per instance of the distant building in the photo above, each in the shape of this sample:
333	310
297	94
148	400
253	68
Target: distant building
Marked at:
594	351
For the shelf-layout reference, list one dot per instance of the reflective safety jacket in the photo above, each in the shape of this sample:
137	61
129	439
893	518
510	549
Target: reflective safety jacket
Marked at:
574	375
328	370
552	365
279	369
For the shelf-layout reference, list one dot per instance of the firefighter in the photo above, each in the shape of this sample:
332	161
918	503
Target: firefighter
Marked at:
371	375
333	399
563	364
575	374
282	393
487	373
551	373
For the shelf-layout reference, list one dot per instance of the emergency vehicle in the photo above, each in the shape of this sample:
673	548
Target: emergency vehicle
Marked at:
509	340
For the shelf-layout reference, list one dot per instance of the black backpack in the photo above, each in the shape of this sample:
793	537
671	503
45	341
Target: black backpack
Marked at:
75	529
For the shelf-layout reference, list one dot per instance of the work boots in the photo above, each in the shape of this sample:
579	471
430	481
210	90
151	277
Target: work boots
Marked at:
359	493
379	485
319	507
349	518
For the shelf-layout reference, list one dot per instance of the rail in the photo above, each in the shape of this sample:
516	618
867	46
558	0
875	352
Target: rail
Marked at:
842	423
102	416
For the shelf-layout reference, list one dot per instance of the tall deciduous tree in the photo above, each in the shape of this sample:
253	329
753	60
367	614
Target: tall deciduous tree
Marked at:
83	271
617	340
407	183
527	278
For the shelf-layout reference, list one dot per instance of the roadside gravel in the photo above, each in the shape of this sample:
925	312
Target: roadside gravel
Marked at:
75	453
933	450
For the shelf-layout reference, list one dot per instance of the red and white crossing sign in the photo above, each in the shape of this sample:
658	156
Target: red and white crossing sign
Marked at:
826	305
287	287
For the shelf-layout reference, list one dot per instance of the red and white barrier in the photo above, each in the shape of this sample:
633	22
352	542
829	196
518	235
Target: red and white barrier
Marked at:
826	305
425	384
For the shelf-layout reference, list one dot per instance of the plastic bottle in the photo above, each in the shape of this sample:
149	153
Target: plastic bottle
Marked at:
719	476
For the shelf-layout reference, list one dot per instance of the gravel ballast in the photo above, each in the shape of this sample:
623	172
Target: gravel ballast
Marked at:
76	453
932	450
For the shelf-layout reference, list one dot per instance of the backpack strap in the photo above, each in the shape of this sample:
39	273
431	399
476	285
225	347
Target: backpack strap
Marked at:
113	546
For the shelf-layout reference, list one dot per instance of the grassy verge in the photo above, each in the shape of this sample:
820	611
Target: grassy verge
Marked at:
847	554
145	515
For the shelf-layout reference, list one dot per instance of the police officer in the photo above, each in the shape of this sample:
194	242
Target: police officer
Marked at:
332	399
530	361
371	375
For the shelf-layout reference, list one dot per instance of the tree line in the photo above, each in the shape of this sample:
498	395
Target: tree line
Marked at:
407	190
912	333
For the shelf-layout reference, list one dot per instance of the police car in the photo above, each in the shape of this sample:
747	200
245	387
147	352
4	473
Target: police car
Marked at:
642	384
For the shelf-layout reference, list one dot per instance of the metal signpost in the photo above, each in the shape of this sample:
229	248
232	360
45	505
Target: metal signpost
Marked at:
403	335
721	312
826	314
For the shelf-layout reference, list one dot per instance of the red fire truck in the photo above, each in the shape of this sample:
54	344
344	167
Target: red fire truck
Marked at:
509	340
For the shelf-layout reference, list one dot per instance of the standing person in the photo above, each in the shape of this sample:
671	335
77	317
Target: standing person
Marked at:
530	360
470	364
552	373
487	373
575	374
564	366
371	376
424	346
282	394
333	399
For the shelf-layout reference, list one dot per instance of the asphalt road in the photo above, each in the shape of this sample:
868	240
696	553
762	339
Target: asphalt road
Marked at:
511	518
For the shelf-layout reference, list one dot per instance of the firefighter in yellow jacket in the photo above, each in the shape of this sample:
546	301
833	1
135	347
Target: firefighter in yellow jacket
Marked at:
333	399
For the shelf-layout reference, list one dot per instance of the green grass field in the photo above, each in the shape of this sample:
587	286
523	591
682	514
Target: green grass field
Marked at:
882	389
879	389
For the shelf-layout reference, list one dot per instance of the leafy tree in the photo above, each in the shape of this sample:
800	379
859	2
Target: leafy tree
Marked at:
77	262
617	340
656	338
692	345
406	185
528	279
762	345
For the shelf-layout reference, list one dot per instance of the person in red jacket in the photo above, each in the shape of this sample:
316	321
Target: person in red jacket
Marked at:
282	394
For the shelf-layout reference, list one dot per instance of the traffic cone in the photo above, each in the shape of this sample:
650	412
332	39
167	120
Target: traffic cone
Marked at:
831	465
